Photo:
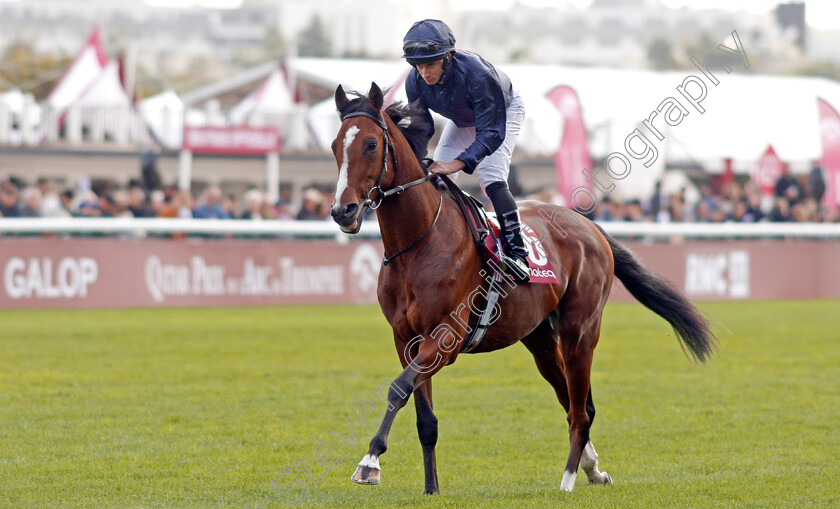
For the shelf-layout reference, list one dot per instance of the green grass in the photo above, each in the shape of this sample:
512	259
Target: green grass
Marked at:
203	407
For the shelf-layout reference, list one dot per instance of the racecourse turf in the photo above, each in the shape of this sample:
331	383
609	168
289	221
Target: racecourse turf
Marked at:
205	407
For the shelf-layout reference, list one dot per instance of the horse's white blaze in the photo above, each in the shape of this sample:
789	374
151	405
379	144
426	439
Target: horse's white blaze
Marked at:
568	482
349	136
370	461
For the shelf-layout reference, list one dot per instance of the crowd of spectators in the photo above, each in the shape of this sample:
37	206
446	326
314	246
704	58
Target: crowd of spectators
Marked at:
794	199
44	199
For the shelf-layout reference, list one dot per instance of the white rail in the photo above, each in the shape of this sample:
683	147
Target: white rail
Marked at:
328	229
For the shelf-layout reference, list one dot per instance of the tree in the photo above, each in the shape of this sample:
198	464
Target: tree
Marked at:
313	40
21	66
274	44
824	68
659	54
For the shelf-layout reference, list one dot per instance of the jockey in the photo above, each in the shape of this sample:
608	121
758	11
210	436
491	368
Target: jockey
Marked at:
485	115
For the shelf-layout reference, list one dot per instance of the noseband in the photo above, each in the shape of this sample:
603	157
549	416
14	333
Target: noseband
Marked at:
373	204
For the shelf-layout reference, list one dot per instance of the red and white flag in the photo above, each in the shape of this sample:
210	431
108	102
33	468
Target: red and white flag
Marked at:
572	156
767	171
830	162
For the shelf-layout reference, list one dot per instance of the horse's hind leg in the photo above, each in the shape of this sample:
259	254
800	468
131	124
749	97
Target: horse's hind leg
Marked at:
589	458
577	345
543	344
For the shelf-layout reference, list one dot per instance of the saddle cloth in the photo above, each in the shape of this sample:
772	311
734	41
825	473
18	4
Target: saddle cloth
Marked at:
540	266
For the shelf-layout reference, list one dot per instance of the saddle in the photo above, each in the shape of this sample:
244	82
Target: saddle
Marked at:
486	233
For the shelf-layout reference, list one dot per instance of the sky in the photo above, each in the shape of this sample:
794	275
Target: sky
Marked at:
820	14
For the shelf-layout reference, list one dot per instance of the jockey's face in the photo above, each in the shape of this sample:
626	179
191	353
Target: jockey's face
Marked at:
430	72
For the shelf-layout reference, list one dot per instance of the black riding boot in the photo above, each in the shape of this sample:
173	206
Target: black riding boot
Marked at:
514	260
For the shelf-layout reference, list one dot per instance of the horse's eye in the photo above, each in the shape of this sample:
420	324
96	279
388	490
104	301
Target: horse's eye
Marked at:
372	145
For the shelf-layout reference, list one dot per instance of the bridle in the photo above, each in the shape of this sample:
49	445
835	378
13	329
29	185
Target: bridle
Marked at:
374	203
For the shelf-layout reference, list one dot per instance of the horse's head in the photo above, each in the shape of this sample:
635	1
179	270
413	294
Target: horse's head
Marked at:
361	151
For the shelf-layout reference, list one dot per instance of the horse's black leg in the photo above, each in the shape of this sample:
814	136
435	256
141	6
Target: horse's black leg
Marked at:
427	429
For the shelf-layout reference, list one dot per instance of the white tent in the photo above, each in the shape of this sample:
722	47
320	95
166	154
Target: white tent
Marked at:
163	114
269	101
106	91
105	107
82	73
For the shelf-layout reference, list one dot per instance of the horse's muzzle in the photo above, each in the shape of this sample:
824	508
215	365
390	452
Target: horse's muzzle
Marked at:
346	216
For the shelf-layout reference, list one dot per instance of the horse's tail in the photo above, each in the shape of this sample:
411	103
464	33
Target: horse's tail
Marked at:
664	299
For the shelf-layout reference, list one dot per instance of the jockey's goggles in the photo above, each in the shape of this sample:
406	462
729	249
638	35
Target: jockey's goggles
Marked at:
421	48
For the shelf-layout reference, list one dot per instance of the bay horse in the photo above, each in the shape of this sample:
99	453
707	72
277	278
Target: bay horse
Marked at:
432	266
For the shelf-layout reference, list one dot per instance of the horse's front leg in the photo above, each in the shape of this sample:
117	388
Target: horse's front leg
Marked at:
429	360
427	430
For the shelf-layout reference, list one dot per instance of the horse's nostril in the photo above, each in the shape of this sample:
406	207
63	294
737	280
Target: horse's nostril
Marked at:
351	209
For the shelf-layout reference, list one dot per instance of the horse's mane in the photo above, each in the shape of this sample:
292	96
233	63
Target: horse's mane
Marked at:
413	121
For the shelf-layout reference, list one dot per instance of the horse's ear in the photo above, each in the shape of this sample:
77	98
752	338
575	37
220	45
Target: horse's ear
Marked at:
375	97
340	98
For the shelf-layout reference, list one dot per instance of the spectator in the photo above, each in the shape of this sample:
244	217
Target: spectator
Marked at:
283	210
788	187
156	201
32	202
51	204
10	205
121	202
633	211
177	204
602	210
231	204
703	211
253	205
210	205
816	182
107	204
312	202
149	171
781	210
676	208
89	205
66	198
739	212
137	201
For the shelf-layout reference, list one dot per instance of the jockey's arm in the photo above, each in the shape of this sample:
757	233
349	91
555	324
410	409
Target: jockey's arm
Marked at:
488	105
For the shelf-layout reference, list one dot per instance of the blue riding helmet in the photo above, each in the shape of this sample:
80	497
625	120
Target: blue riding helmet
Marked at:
426	41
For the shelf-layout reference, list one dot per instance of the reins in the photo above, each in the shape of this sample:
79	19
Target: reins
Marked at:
373	204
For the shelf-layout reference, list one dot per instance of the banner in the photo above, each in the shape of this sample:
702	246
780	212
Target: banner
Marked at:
44	272
767	171
114	273
241	141
830	162
572	156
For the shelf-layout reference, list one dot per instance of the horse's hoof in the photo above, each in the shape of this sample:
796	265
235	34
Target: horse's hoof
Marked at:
366	475
601	478
568	482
